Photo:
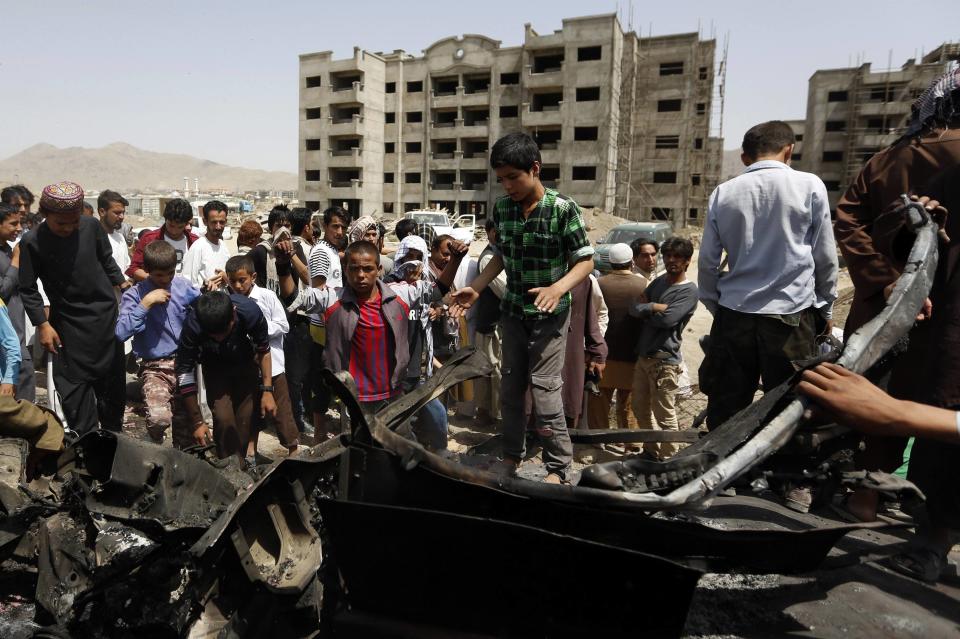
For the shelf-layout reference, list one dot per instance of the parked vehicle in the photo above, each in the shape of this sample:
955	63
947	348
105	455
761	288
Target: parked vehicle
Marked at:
627	233
462	228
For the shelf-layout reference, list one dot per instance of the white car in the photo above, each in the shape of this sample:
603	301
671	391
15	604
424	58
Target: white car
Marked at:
461	229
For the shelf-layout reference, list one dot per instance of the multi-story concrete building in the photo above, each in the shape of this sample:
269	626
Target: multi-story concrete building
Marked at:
623	122
854	112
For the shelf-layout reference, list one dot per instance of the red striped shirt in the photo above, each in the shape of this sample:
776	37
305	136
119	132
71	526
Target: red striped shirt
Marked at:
371	354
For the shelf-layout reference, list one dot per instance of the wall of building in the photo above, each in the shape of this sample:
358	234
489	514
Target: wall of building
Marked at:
587	92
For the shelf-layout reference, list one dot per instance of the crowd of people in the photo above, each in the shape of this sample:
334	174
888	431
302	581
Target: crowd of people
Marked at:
310	291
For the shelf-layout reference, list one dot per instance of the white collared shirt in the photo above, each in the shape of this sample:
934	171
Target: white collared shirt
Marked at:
277	324
774	224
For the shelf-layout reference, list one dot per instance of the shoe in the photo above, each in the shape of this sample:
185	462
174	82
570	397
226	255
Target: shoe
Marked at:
798	498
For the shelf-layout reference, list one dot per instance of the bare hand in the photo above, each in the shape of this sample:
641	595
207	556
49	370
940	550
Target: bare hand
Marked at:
216	282
850	399
596	368
15	256
659	308
49	338
268	406
458	248
434	313
937	212
8	390
201	434
463	299
154	297
926	310
548	297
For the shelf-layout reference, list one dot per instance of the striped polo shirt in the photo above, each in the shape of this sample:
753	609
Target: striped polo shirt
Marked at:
370	353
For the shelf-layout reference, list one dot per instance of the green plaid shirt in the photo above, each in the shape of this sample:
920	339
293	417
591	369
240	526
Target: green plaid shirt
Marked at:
538	251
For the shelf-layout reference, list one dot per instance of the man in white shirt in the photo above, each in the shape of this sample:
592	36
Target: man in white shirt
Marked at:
112	208
205	263
774	224
325	271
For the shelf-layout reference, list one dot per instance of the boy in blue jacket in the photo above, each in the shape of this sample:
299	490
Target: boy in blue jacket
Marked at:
152	312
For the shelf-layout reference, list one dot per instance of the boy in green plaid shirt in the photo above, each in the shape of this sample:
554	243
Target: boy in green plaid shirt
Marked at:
542	244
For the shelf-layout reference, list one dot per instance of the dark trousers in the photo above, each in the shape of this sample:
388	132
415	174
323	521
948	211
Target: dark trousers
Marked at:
935	469
296	352
90	402
283	423
321	392
745	348
26	384
230	395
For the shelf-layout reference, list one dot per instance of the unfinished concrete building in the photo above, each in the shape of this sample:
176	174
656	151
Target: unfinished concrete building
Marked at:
856	111
623	122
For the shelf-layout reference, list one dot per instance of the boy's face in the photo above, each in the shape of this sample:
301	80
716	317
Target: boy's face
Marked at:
162	279
10	228
174	230
63	224
647	259
362	272
411	255
371	235
241	282
334	231
518	184
675	264
412	275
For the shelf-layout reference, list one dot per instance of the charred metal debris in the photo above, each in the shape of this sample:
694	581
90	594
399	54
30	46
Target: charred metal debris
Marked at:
132	539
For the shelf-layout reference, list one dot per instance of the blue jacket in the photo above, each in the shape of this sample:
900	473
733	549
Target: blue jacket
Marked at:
155	332
10	344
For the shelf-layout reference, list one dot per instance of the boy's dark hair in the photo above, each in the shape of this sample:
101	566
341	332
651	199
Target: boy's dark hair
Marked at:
159	256
640	241
9	194
25	194
88	207
381	233
489	224
438	242
405	227
109	197
214	205
362	247
278	215
517	149
679	246
178	210
299	218
767	138
214	311
240	263
6	210
335	211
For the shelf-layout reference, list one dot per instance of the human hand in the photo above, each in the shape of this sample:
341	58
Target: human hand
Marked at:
596	368
49	338
15	256
202	435
660	308
937	212
462	299
154	297
850	399
8	390
458	248
268	406
926	310
216	282
435	313
548	297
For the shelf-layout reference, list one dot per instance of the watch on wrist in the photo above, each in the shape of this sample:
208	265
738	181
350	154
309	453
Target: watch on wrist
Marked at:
266	389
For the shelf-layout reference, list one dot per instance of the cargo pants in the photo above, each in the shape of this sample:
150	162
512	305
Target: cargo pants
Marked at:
533	353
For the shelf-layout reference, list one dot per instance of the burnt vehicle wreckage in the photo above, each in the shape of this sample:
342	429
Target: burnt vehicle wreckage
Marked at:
133	539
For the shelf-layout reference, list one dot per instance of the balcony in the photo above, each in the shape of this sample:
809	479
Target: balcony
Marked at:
883	108
548	77
348	189
352	125
545	117
345	157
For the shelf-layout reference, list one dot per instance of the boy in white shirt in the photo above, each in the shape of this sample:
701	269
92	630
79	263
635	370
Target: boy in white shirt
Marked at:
205	262
241	276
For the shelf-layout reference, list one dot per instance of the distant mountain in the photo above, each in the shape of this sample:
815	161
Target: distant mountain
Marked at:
731	166
123	167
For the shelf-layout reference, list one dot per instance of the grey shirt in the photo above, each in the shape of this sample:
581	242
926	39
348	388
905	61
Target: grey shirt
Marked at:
661	333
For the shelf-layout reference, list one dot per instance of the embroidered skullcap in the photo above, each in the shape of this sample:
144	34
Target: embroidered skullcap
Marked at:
62	197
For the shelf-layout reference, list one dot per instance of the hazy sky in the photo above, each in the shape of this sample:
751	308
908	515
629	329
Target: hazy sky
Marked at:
218	79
